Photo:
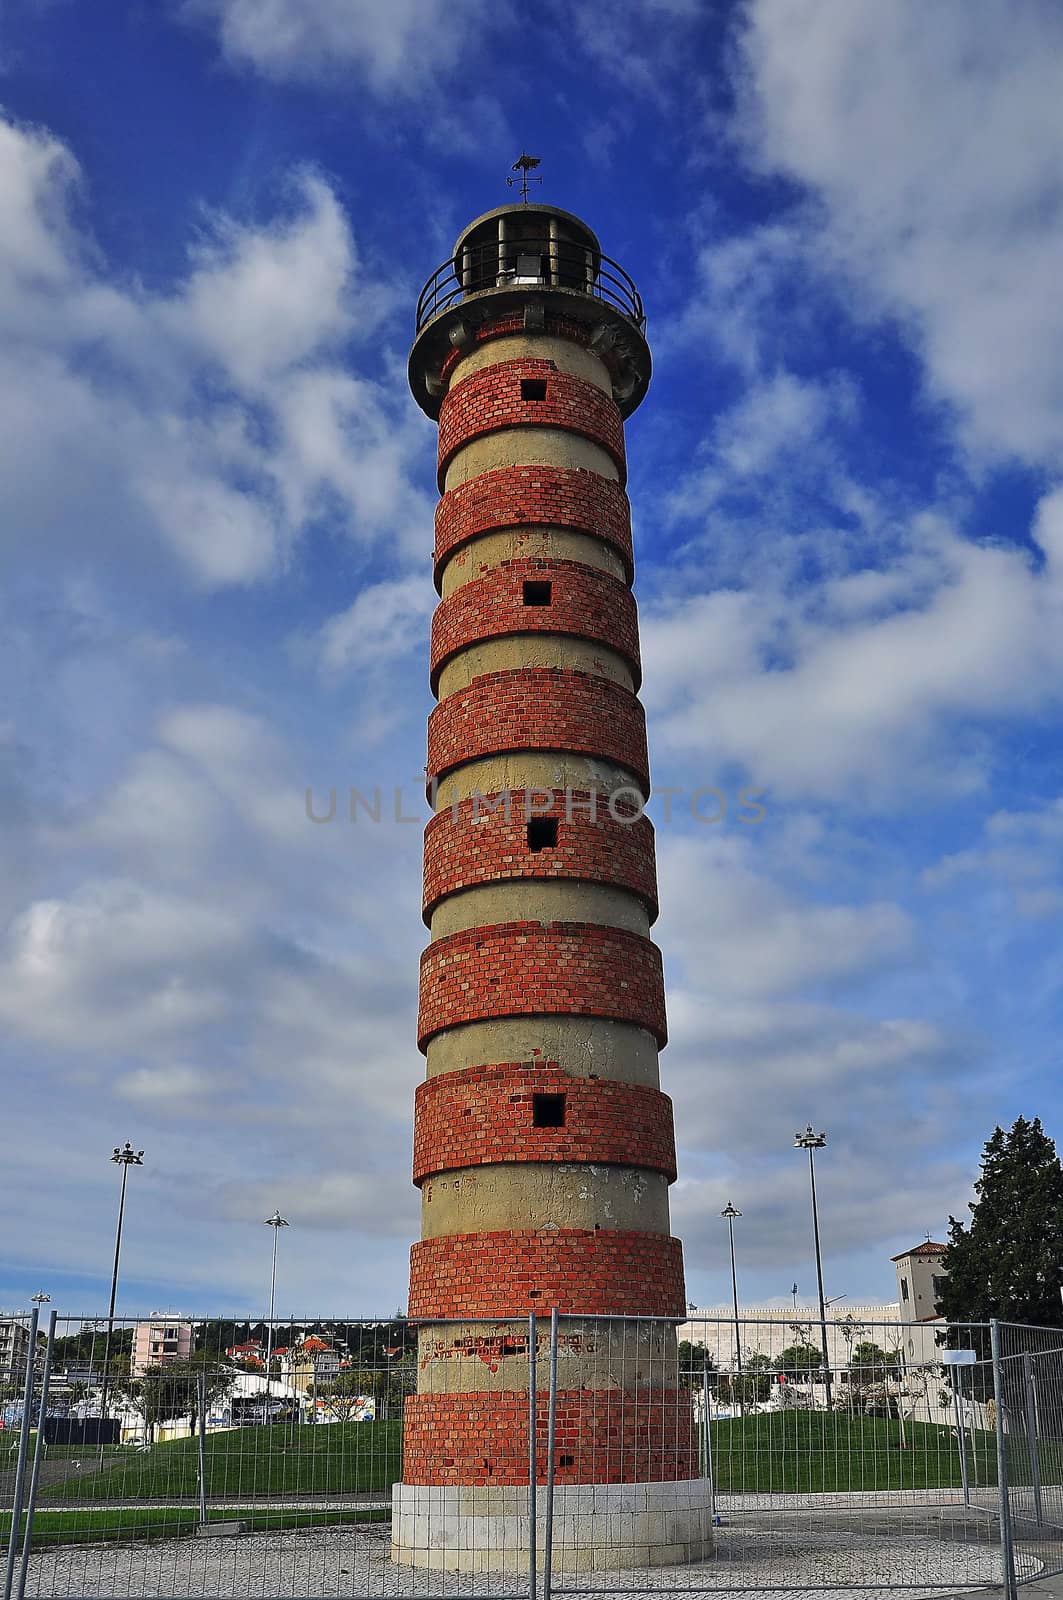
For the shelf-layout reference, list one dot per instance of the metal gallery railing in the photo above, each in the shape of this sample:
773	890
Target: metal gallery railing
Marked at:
532	262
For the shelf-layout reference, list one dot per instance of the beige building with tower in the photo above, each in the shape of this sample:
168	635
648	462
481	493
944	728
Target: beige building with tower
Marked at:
908	1325
919	1279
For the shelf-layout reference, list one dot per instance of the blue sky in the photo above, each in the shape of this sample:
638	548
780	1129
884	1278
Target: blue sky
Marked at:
846	221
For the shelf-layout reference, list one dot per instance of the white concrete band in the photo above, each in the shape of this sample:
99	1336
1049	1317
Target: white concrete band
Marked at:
598	1527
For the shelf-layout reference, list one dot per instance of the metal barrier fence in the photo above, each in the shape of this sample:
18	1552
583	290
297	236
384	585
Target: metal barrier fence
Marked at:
179	1456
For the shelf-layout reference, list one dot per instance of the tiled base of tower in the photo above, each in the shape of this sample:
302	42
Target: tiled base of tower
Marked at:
598	1527
627	1486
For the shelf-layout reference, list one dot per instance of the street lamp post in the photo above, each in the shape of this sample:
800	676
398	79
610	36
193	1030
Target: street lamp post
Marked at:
812	1141
730	1212
276	1222
125	1158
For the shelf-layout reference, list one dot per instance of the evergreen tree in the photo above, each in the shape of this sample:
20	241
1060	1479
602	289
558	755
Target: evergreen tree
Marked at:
1008	1261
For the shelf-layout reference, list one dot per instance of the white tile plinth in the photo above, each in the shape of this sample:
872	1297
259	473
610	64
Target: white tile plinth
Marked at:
598	1527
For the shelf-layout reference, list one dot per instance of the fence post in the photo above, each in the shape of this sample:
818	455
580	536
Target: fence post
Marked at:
708	1472
201	1410
1007	1548
1031	1434
961	1434
533	1466
31	1501
23	1442
551	1432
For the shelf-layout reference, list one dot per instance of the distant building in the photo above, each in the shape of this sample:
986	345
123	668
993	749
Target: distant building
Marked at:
767	1330
250	1353
311	1362
920	1281
14	1347
158	1341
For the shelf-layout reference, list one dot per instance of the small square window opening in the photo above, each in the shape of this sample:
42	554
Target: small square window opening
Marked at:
537	593
548	1110
542	833
533	388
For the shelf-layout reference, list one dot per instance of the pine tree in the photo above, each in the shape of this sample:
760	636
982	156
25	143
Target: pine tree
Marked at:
1008	1261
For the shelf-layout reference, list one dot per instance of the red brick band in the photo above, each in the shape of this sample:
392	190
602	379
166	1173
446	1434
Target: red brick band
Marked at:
539	708
534	595
493	399
515	497
487	1114
601	1436
498	327
523	969
469	844
590	1273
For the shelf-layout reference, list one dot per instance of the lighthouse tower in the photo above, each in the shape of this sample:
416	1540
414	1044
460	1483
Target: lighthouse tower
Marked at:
543	1145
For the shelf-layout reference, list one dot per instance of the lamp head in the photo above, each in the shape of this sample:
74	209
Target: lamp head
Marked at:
809	1140
276	1221
127	1156
730	1211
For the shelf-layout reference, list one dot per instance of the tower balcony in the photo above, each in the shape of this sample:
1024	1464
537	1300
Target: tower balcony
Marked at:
529	269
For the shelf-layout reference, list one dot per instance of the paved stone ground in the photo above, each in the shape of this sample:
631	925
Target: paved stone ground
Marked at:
784	1556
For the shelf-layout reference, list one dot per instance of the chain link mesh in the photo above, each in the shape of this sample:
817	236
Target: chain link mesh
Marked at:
722	1457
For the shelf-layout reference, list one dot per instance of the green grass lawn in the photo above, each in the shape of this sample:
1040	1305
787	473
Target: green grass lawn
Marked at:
777	1453
341	1458
144	1522
809	1452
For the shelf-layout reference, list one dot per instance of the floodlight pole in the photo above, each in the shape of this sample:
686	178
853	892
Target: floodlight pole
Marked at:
812	1141
125	1158
276	1222
730	1212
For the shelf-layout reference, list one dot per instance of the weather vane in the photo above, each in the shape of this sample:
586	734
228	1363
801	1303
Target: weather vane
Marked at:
524	165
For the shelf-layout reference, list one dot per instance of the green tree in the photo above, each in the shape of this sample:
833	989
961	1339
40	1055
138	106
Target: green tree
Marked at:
870	1363
85	1348
696	1366
344	1394
1006	1262
174	1389
802	1361
753	1387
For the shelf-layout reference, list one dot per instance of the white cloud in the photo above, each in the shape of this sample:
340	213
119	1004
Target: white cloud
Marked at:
867	686
36	175
868	1200
119	964
749	936
172	1087
223	534
930	139
382	1195
745	1071
642	46
397	48
734	307
264	301
386	621
1019	856
216	419
783	427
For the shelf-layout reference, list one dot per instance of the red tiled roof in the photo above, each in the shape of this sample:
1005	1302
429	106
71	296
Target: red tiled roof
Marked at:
928	1248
